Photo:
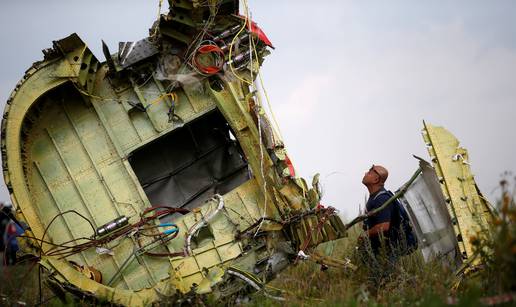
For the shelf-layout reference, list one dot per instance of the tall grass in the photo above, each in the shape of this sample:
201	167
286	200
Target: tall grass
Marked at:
413	282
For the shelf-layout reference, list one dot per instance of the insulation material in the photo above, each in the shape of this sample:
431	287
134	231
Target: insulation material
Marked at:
188	166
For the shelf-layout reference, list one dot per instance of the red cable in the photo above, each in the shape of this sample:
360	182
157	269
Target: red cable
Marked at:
219	59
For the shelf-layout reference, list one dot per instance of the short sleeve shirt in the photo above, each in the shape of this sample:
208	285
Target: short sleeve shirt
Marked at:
376	200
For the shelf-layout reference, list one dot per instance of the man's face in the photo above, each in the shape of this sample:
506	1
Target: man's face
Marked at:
371	176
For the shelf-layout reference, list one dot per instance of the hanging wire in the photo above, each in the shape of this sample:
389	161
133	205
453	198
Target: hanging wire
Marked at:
258	116
276	127
200	36
230	57
207	46
64	250
160	3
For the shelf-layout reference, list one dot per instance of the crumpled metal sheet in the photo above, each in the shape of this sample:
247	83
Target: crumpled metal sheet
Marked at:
130	53
101	140
469	210
426	207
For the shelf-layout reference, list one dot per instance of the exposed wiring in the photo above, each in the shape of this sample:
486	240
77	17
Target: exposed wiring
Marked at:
230	61
197	41
289	221
246	231
250	31
276	125
264	211
159	8
54	219
149	215
172	96
325	215
218	56
257	110
160	3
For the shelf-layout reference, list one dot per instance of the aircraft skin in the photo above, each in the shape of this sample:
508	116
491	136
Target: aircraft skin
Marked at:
470	212
157	175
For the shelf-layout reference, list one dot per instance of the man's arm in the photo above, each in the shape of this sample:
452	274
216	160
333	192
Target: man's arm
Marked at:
378	228
381	221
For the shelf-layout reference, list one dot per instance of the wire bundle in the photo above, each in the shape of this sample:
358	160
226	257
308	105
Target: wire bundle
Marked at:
215	52
144	225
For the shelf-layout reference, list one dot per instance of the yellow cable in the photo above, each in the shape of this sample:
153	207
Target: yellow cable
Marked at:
231	58
159	8
276	125
92	96
231	51
172	96
253	46
159	16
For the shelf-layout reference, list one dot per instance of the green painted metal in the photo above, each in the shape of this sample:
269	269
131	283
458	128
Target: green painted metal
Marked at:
470	212
68	131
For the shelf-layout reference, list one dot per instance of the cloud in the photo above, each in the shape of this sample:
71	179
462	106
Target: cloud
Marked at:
349	81
303	100
368	104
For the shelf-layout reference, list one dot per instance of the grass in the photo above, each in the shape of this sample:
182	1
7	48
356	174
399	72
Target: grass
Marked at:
412	283
19	285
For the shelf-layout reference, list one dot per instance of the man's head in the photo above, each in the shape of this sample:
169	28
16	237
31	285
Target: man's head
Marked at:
375	177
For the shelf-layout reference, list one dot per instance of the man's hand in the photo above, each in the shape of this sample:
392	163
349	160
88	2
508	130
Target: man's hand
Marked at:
379	228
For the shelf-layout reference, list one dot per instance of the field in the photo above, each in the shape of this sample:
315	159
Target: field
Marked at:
414	282
411	283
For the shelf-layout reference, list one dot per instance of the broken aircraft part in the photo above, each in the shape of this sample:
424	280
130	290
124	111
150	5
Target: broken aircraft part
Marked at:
427	208
444	202
469	210
157	173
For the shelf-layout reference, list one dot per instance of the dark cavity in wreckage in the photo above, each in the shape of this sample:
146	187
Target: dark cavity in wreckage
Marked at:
157	174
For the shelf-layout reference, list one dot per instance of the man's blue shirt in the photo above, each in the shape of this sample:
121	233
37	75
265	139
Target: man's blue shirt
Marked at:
375	201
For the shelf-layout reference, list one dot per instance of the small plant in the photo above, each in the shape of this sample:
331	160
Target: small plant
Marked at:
497	248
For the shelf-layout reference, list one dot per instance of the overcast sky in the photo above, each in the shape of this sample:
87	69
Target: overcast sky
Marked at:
350	81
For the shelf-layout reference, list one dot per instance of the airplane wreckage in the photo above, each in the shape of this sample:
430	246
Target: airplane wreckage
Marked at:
157	174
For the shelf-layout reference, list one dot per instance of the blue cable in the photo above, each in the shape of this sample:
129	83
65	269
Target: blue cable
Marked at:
169	231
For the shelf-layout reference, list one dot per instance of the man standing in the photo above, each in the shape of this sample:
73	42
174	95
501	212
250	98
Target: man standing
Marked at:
4	220
377	226
389	230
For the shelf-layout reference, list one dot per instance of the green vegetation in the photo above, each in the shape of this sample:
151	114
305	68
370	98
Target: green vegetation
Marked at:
413	282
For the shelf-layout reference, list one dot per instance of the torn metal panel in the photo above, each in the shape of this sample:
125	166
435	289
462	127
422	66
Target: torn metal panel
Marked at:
130	53
444	202
157	173
469	211
426	207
